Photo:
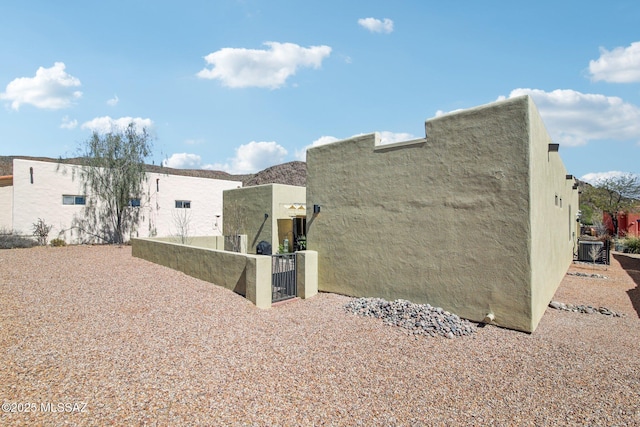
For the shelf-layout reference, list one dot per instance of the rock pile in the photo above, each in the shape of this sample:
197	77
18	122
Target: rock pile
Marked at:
418	319
593	276
584	309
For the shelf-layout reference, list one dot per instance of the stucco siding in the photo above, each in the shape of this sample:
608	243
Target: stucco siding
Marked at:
245	210
445	220
244	213
6	208
42	198
283	197
553	217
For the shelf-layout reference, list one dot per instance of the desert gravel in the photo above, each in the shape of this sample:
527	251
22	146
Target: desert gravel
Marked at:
103	338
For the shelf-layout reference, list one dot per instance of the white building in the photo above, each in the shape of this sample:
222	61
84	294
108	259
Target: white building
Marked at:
53	192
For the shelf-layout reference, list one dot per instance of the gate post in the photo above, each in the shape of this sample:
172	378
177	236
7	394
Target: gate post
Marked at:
258	273
307	273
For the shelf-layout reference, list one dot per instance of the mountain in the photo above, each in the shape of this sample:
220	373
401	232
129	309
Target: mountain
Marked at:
291	173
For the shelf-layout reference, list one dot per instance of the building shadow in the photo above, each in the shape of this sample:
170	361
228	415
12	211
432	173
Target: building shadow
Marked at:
632	266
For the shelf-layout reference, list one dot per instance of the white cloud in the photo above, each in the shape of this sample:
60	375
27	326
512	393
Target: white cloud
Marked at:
620	65
376	26
183	161
106	124
595	177
323	140
573	118
442	113
238	67
386	137
51	88
249	158
68	123
113	101
255	156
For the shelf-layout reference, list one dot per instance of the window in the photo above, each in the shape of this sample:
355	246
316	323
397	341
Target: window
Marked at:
74	200
183	204
135	203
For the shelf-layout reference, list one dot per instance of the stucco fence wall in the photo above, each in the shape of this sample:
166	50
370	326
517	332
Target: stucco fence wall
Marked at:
246	274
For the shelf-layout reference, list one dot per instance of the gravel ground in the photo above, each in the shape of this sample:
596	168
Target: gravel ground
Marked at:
102	338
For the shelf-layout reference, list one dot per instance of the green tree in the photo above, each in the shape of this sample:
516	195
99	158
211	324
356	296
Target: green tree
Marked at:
616	194
112	174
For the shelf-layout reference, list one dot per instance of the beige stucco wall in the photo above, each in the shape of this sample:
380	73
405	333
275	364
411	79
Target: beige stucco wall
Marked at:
209	242
247	275
554	204
307	273
43	199
245	209
244	213
6	208
445	221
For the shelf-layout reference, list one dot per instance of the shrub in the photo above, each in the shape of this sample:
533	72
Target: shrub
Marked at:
632	245
58	242
11	240
41	231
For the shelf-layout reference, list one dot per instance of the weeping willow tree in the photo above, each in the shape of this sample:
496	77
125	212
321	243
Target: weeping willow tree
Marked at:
113	175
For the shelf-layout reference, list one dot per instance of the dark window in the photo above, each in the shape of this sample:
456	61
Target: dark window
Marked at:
134	203
74	200
183	204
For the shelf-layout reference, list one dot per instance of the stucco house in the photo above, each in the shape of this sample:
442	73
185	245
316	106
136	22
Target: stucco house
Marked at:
274	213
628	223
479	217
48	190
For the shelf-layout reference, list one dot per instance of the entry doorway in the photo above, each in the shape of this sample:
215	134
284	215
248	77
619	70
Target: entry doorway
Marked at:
292	233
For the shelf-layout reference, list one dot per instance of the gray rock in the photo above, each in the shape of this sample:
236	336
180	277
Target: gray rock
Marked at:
418	319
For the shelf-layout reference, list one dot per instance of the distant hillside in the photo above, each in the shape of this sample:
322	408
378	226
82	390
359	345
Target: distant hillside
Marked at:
292	173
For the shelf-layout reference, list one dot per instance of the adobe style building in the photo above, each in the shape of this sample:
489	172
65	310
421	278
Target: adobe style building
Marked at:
274	213
628	224
479	217
48	190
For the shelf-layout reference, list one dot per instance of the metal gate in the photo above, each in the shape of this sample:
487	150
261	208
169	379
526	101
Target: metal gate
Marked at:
283	282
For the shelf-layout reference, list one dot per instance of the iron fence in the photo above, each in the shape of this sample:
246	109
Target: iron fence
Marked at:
283	282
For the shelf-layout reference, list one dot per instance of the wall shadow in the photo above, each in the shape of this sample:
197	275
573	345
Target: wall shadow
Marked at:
241	285
632	266
255	239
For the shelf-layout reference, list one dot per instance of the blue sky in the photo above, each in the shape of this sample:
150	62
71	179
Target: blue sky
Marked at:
242	85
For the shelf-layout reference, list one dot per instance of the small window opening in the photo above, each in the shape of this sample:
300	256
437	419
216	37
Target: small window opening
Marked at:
183	204
31	175
74	200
